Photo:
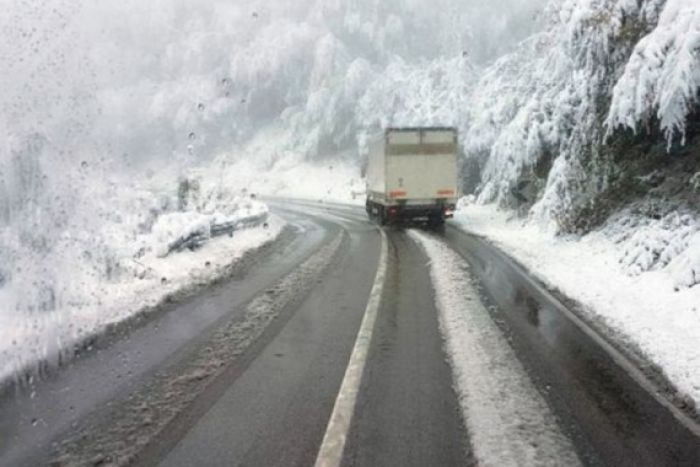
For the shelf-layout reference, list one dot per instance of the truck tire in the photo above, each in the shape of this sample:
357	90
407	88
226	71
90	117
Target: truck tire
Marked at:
436	221
382	216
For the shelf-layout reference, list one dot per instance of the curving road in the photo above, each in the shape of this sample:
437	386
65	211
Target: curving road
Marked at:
290	363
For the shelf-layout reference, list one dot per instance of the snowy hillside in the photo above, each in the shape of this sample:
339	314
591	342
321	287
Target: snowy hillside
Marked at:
549	120
597	117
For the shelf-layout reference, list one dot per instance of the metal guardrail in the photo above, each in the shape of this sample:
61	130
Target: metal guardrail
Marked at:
196	239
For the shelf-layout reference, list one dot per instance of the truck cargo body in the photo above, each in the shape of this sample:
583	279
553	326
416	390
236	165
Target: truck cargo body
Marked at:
412	175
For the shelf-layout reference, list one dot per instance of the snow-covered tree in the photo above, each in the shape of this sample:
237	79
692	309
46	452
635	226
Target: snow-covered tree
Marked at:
661	81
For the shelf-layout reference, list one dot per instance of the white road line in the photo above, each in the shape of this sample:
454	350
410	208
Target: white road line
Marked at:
333	445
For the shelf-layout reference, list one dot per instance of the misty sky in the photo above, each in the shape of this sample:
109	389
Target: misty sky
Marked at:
126	81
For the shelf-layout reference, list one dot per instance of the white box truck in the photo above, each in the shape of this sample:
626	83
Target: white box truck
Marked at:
412	175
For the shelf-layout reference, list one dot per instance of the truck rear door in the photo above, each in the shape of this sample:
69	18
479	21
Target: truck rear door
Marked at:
421	165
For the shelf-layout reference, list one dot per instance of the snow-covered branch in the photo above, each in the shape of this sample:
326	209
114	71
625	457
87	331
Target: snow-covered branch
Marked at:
662	78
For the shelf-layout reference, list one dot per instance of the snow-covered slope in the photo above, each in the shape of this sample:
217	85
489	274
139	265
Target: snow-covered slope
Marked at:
551	129
544	117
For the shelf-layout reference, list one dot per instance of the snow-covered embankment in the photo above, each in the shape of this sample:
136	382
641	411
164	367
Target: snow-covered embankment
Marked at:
130	271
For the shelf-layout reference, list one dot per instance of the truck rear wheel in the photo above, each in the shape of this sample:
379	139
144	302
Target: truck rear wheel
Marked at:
382	216
436	221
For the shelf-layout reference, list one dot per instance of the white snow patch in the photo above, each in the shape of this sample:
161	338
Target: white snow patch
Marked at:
508	420
648	310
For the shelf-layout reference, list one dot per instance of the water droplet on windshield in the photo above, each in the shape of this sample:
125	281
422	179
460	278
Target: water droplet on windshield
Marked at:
201	107
192	136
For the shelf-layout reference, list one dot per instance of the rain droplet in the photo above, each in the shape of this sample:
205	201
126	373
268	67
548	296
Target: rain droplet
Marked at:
84	164
192	136
201	107
35	421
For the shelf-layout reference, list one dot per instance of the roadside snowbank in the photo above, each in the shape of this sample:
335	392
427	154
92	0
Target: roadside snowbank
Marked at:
644	309
148	252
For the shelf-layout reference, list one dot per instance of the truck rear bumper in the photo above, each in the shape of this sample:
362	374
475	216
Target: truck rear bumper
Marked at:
412	212
435	212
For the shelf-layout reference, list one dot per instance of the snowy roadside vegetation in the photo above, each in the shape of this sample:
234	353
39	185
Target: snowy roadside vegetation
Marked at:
145	246
592	124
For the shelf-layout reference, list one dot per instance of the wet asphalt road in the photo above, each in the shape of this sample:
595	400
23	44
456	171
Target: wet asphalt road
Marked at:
35	416
275	413
606	398
271	404
407	414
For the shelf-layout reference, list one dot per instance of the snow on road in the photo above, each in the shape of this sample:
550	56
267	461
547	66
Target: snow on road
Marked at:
508	421
643	312
26	339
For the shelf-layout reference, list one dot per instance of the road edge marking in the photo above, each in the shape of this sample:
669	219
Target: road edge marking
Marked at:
333	445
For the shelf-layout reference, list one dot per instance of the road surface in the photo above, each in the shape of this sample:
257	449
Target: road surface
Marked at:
293	362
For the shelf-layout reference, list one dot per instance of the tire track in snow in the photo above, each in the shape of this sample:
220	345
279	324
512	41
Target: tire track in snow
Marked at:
507	419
